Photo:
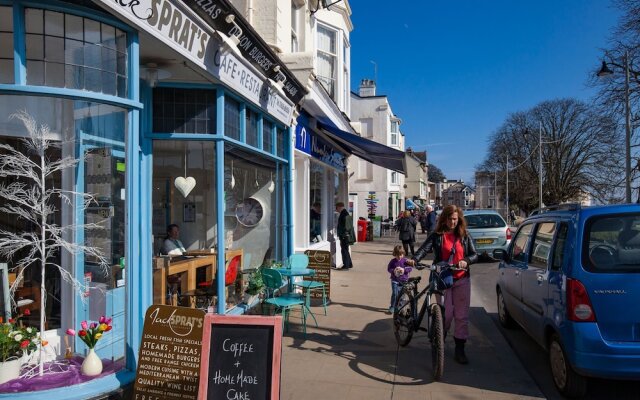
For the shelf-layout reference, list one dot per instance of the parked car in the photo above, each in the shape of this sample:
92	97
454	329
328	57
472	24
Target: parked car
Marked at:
571	279
488	230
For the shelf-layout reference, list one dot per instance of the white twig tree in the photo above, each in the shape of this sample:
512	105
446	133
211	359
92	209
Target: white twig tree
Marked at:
26	196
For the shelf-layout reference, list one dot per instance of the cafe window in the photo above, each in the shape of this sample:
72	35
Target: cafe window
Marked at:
281	144
316	184
231	118
252	218
64	50
99	141
6	45
252	119
177	110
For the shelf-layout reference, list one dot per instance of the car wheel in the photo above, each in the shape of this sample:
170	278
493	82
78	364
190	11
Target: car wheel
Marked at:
503	314
566	379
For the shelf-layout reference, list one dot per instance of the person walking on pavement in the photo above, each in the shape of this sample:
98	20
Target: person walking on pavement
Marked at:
407	229
450	232
423	221
399	269
431	219
346	234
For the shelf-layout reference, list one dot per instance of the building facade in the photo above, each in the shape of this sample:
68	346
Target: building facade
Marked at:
378	191
460	195
417	188
180	113
440	187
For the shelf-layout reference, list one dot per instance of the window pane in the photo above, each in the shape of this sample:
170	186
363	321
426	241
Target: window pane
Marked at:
74	77
6	45
91	31
542	244
252	127
109	60
6	71
267	142
558	251
73	27
520	247
92	55
612	244
54	49
326	40
231	118
108	36
74	52
35	47
53	23
92	79
35	73
6	19
54	74
108	83
34	22
184	110
281	144
315	198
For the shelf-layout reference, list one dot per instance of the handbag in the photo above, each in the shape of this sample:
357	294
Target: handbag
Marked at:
444	279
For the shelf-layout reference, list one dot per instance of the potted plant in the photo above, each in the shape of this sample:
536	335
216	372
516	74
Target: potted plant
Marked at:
16	341
255	286
90	333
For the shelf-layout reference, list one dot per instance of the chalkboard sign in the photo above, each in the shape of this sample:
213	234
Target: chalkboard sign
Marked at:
241	357
169	357
320	262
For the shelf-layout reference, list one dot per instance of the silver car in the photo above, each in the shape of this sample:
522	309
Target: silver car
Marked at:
488	230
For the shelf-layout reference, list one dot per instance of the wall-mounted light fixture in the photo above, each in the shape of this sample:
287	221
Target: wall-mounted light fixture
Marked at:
152	74
320	4
277	82
233	39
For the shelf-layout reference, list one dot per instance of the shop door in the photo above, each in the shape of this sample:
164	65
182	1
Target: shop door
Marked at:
102	174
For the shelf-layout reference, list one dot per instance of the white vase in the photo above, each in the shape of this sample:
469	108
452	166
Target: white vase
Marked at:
92	364
10	370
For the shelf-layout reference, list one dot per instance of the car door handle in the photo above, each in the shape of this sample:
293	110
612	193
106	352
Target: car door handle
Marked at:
540	278
517	273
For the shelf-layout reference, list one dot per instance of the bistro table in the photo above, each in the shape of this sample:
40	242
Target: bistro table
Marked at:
291	273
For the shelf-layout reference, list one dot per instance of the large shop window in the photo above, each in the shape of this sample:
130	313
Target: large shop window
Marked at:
6	45
253	206
65	50
316	184
178	110
94	135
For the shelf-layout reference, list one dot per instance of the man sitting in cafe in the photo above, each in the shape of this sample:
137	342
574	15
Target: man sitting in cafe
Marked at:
172	246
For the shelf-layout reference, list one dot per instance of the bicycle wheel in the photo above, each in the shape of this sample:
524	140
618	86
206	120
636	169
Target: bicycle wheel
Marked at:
436	335
403	317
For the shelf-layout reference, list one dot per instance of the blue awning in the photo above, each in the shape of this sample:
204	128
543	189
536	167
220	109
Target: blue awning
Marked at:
411	205
374	152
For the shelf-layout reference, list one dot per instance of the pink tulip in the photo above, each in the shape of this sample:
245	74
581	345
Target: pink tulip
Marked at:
93	325
102	319
83	324
108	321
71	332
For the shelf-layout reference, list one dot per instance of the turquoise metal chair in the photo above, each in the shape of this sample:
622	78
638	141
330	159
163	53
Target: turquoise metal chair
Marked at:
283	304
301	261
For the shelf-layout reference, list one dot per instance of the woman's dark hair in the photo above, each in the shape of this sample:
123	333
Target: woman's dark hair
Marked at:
460	229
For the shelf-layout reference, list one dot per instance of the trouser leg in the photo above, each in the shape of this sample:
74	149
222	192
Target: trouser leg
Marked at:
457	301
346	256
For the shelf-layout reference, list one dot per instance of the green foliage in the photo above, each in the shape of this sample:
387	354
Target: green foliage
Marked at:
17	340
256	284
435	174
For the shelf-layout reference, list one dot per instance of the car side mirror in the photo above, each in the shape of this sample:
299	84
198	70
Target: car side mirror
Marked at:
499	254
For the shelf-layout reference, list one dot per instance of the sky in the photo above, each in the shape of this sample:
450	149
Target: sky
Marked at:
454	70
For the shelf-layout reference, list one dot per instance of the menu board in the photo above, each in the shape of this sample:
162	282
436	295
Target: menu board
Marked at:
169	357
320	261
241	357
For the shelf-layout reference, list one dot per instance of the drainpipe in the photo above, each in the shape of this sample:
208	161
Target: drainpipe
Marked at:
250	11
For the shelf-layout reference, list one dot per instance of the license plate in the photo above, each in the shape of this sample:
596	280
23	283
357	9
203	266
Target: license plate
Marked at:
484	241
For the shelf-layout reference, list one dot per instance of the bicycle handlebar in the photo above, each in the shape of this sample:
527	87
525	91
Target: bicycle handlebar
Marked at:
432	267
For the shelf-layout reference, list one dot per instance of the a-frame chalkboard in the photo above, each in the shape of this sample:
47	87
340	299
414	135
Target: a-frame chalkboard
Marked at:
241	357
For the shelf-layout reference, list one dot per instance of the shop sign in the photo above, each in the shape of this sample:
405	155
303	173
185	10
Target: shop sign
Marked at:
169	357
316	146
184	32
241	357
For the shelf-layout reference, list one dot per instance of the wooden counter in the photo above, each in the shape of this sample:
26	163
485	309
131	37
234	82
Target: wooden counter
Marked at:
185	267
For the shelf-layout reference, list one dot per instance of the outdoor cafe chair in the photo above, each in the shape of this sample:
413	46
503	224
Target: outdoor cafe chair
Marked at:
301	261
283	304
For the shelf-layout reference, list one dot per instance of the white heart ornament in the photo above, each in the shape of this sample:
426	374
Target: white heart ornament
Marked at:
185	186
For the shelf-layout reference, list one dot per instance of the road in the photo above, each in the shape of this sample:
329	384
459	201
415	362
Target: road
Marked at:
531	355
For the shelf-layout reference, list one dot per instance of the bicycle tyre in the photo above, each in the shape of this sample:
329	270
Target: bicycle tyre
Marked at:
436	333
403	324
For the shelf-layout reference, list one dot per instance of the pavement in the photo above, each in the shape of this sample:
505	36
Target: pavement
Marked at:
352	353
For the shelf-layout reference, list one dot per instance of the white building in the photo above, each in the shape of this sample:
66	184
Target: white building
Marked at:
417	187
442	186
377	190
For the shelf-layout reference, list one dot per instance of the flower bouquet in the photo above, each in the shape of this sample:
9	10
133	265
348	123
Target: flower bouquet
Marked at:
16	341
90	333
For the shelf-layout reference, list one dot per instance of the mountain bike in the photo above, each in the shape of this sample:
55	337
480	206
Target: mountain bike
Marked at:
407	319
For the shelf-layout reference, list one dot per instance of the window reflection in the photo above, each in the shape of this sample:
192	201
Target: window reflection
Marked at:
316	179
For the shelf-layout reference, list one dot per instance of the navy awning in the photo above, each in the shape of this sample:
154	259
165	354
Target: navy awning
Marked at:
374	152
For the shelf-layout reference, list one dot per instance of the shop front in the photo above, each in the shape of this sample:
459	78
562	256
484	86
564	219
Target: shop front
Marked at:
170	124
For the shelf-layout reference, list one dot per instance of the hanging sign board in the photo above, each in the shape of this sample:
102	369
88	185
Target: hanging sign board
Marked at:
241	357
169	356
320	262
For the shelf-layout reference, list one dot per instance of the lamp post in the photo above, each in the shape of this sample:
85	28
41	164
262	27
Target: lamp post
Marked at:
605	71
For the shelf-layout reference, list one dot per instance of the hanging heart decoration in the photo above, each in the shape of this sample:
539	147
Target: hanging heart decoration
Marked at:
185	185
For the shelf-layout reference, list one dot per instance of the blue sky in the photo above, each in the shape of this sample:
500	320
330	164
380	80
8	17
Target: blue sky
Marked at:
454	70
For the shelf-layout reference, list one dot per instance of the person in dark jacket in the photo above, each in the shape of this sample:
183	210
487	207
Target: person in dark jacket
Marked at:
407	229
431	219
450	232
345	234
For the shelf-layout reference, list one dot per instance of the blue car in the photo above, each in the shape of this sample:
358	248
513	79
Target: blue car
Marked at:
571	279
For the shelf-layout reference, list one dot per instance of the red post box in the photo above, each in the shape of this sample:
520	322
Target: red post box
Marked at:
362	230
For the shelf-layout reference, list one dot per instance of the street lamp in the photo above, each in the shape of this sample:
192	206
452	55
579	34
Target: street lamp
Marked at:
605	71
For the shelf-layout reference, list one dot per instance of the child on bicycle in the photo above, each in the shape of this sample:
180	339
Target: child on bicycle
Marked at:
399	268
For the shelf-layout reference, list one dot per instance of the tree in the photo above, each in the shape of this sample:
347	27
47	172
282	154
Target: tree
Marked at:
577	148
611	90
27	196
434	174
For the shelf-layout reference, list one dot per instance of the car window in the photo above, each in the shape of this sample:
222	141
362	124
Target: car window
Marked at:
519	248
542	244
558	249
612	243
477	221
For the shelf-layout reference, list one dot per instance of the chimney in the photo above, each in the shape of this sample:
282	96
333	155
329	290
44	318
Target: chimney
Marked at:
367	88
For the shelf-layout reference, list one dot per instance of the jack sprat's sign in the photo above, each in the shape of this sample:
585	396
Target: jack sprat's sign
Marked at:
186	34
